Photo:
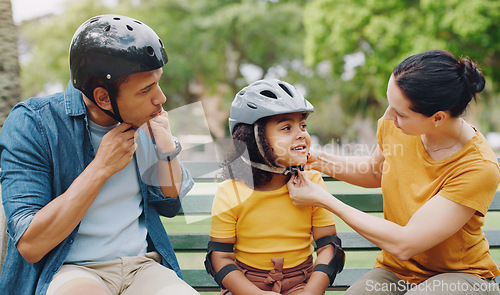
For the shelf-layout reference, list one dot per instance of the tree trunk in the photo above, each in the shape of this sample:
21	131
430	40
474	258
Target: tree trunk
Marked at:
10	89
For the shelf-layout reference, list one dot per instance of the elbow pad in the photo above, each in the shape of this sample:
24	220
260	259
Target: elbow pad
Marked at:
335	265
223	272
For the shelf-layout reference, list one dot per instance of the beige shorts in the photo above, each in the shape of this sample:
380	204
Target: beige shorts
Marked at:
136	275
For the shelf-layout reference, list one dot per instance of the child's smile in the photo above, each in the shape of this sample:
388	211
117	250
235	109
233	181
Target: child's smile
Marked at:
289	138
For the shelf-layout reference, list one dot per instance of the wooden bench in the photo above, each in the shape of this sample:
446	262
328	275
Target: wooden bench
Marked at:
200	204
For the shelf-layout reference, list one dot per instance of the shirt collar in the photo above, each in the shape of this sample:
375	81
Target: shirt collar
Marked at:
73	100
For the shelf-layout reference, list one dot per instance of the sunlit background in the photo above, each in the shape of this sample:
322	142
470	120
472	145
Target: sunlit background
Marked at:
338	53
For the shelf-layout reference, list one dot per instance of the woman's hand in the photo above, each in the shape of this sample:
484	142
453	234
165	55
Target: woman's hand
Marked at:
304	192
312	157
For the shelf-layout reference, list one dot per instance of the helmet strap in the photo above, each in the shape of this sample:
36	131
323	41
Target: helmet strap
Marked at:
268	166
112	98
116	113
259	144
264	167
272	169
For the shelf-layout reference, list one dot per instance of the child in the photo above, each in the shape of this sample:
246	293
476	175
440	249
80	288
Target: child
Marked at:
260	242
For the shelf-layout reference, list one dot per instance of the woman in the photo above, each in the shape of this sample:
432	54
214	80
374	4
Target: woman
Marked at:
438	177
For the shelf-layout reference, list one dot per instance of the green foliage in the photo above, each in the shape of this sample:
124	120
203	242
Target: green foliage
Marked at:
386	32
49	40
303	42
207	42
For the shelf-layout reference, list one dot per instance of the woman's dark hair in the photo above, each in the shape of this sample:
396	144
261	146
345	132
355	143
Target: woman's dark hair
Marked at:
233	167
436	81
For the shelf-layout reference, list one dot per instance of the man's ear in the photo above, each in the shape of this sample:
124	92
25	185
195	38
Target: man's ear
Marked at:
101	96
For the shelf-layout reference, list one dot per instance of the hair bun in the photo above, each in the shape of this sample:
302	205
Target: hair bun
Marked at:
471	75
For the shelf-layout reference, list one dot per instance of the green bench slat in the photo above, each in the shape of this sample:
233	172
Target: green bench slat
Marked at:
197	242
351	241
202	203
371	202
493	237
495	204
203	171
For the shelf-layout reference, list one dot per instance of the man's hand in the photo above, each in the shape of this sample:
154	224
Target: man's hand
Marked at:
116	149
158	129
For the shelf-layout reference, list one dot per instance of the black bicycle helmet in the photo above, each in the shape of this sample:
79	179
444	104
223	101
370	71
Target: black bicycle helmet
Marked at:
109	47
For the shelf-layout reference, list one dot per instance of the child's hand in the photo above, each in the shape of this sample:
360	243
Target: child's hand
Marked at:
270	293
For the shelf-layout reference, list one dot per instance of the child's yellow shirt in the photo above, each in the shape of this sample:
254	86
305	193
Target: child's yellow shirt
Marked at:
266	223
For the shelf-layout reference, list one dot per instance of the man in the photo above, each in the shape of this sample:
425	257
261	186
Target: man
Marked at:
86	173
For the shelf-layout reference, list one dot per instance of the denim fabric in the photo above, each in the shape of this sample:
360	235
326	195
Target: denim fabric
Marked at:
44	145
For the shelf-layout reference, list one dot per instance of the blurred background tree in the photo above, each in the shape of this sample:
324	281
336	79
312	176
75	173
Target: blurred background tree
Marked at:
10	88
338	53
380	34
10	83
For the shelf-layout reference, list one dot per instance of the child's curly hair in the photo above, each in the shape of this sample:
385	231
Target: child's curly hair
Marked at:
233	167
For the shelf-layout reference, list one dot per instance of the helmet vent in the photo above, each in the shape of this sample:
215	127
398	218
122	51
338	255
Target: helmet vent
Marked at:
107	28
161	43
252	105
116	18
269	94
94	20
285	89
150	50
130	28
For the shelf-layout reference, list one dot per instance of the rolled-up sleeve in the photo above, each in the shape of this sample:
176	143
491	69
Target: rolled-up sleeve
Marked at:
166	206
147	163
25	170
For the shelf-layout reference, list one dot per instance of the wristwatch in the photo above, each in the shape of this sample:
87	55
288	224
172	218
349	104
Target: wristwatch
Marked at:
169	156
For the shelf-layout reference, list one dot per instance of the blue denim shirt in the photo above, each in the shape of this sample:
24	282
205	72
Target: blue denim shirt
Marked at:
44	145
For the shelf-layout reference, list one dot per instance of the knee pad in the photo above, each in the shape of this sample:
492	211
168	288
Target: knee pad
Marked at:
335	265
223	272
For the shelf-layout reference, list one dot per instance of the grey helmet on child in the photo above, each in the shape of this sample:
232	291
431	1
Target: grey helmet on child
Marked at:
265	98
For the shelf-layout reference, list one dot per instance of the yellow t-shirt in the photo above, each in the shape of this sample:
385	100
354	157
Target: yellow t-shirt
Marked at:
411	177
266	223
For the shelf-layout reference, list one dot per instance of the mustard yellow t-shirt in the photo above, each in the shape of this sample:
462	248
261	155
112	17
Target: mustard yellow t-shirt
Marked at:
411	177
266	223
